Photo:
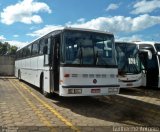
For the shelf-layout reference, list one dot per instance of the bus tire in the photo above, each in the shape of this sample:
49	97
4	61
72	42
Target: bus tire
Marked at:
19	75
46	94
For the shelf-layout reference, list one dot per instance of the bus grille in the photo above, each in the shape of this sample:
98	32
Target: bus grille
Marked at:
93	75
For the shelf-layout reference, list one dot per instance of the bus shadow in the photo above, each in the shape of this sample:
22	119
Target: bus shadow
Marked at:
142	91
31	86
113	108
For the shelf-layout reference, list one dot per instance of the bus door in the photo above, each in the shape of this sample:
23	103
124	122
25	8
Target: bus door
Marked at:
150	69
56	62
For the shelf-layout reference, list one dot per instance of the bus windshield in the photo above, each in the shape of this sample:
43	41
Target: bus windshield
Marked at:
81	47
128	58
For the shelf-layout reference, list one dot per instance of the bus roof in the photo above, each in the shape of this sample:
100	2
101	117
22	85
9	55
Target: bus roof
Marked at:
124	42
75	29
85	29
147	42
68	28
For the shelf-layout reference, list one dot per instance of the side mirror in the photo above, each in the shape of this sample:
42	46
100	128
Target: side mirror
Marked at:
149	55
158	53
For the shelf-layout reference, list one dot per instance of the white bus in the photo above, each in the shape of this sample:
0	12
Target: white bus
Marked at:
129	66
150	58
70	62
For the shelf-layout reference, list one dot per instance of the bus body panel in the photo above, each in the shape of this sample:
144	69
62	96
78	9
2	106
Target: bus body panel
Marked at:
130	81
87	91
143	78
87	79
31	70
85	76
47	81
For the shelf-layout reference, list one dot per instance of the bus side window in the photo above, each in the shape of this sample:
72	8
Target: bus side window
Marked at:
41	45
28	51
34	49
20	54
44	46
24	52
45	49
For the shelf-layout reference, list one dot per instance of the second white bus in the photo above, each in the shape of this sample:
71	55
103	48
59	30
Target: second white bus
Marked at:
129	66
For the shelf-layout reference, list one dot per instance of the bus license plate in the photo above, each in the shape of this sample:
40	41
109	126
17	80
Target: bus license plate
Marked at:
95	90
129	84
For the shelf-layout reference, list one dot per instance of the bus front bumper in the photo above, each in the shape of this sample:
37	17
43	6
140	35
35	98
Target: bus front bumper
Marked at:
89	90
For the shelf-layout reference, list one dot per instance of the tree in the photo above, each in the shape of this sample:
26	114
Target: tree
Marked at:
7	49
13	50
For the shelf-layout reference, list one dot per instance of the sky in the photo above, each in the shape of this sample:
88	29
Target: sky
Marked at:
22	21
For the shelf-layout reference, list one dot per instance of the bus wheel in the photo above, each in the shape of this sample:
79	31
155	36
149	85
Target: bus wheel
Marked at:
19	75
46	94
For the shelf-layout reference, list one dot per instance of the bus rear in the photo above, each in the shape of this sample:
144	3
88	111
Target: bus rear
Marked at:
87	64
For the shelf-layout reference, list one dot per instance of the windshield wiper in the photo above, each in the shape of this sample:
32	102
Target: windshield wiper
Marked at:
96	58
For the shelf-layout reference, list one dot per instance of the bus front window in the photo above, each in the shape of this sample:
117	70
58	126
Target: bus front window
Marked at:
88	48
128	59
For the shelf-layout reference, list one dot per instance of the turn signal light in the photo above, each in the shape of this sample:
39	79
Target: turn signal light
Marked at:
66	75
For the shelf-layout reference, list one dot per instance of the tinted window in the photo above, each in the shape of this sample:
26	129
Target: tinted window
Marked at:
34	49
24	52
152	63
127	58
28	50
20	54
88	48
44	43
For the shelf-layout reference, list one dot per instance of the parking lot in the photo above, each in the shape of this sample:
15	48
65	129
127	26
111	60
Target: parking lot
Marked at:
24	108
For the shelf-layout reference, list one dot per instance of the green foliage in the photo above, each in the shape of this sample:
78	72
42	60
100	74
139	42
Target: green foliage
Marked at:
7	49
